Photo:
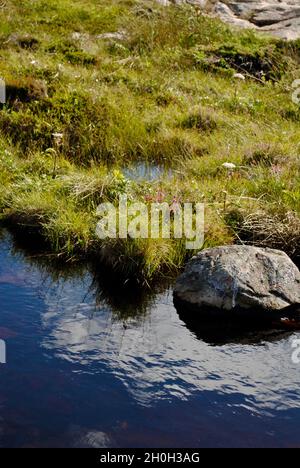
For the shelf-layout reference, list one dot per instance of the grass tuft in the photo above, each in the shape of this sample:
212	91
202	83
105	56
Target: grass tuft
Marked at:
95	87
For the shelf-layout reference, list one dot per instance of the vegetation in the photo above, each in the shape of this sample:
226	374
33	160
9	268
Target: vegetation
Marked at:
95	87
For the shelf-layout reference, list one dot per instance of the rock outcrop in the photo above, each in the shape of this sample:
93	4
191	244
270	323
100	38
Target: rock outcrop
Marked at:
276	17
244	280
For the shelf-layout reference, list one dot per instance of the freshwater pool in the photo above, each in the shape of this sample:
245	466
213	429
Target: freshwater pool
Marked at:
90	365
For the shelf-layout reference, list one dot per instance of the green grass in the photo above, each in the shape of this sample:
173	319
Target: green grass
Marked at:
159	92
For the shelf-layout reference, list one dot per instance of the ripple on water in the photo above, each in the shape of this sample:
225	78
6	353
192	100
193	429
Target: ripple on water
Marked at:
98	378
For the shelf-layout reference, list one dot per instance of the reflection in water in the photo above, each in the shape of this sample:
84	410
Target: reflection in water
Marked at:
217	332
146	171
84	371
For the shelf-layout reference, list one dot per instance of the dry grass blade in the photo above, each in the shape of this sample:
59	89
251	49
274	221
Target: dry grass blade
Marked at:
272	231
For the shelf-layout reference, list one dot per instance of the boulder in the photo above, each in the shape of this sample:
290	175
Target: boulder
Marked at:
239	279
278	17
289	30
227	15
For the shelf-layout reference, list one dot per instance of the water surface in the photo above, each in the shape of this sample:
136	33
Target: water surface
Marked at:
88	366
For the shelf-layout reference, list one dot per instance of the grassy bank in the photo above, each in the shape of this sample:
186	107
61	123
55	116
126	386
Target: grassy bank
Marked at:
125	83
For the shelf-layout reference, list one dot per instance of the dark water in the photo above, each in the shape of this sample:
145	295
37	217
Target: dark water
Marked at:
85	370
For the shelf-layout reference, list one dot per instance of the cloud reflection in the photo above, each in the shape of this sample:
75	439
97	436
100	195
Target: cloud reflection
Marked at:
157	358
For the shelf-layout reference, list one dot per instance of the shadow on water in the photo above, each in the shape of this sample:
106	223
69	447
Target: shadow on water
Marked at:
129	300
254	326
227	332
125	299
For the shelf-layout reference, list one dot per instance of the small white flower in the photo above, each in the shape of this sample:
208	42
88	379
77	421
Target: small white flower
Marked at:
239	76
228	165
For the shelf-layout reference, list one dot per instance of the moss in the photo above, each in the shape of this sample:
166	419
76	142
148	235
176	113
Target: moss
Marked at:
265	63
70	51
81	58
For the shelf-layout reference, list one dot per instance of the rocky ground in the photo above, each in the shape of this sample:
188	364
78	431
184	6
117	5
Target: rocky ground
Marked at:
279	17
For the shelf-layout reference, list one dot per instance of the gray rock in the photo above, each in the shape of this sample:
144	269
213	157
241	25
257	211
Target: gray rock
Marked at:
289	30
198	3
228	16
277	17
113	36
239	278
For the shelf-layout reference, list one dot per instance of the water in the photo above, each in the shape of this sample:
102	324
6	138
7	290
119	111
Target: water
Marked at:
146	171
87	367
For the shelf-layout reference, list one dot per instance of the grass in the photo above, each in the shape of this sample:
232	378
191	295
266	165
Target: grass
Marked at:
160	90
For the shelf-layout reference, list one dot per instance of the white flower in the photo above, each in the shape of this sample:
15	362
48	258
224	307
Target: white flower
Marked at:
239	76
228	165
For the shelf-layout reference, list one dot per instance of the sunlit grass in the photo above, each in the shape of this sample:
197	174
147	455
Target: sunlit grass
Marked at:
160	92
